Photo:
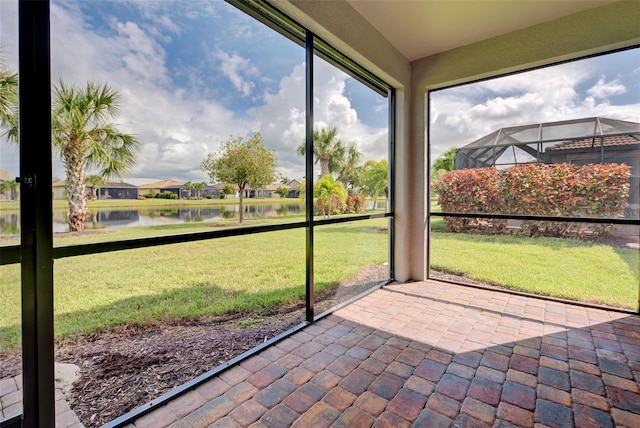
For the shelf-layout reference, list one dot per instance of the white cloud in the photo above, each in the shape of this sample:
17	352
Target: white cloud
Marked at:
461	115
282	117
176	129
605	90
237	69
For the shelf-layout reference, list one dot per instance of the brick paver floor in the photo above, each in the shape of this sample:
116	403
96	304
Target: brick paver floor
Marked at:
11	403
432	354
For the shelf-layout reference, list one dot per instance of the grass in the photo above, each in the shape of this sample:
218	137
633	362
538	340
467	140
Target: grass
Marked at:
555	267
61	204
207	278
257	272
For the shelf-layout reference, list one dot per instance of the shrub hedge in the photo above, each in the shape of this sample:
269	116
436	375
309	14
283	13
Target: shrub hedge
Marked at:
592	190
354	204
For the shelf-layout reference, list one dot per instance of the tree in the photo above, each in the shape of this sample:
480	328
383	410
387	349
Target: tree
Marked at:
349	168
188	186
375	179
94	181
444	163
282	191
199	187
330	193
243	162
10	186
228	189
328	150
82	131
9	104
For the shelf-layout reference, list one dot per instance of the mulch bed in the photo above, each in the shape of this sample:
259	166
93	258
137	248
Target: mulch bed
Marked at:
124	369
130	366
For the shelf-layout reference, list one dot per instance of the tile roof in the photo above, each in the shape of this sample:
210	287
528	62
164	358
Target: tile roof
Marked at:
587	143
161	184
116	184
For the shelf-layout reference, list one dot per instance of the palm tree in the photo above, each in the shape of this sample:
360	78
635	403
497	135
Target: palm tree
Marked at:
199	187
9	104
328	150
10	186
444	163
375	179
81	129
94	181
188	186
349	168
328	191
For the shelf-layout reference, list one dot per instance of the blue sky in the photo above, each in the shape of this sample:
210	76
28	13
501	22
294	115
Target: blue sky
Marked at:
192	73
606	86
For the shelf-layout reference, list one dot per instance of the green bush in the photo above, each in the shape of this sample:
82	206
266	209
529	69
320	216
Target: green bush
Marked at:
168	195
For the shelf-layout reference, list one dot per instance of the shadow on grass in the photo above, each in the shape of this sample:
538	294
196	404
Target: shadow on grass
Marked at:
209	301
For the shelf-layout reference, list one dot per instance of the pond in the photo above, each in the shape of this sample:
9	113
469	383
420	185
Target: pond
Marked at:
108	218
114	218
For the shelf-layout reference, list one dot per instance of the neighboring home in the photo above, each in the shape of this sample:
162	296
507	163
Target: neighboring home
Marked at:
269	190
575	141
176	189
59	189
211	190
578	141
615	149
218	187
117	190
249	192
157	187
295	187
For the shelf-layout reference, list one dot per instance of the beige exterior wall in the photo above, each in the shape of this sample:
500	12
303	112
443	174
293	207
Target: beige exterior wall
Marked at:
598	30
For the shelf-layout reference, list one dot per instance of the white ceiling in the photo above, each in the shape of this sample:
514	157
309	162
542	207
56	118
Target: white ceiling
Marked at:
420	28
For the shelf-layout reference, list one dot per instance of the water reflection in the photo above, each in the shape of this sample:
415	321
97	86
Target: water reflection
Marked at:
107	218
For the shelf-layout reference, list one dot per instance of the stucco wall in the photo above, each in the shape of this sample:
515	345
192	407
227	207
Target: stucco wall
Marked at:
340	25
598	30
593	31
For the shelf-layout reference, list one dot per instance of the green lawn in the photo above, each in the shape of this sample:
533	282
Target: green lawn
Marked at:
556	267
256	272
61	204
215	277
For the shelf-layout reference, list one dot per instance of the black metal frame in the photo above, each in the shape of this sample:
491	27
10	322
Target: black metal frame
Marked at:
525	217
36	237
634	222
36	252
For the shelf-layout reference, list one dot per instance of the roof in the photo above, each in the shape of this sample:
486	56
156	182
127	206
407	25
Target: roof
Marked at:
274	186
534	143
161	184
116	184
587	143
554	132
4	175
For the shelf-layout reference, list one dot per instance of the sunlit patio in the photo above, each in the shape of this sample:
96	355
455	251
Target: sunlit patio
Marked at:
432	354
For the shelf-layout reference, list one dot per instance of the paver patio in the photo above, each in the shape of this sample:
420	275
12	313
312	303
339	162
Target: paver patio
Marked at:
432	354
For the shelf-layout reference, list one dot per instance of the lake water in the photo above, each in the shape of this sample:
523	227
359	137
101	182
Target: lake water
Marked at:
101	219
